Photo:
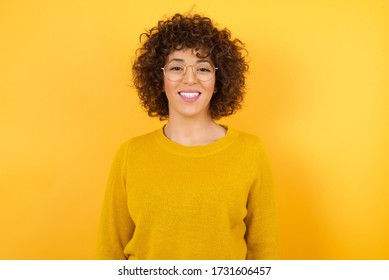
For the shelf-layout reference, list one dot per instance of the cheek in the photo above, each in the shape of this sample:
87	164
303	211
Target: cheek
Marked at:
211	87
168	86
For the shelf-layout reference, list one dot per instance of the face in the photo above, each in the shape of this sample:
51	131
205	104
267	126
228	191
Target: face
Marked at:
189	97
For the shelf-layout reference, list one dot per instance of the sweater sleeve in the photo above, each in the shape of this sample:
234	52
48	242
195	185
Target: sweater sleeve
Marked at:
262	234
116	226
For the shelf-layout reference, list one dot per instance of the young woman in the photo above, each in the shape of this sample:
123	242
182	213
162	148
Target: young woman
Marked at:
193	189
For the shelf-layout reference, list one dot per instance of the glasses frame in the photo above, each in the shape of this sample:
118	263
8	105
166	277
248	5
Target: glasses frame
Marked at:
193	69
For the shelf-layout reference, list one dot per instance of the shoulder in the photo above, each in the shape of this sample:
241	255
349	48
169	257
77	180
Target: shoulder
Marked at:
139	141
250	145
247	139
135	142
133	147
253	147
143	139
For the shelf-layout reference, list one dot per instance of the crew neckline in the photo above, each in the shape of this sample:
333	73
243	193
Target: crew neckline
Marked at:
196	151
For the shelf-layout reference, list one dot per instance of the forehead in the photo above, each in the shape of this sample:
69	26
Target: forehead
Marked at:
189	55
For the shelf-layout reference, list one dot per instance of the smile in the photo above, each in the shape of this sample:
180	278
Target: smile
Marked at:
189	96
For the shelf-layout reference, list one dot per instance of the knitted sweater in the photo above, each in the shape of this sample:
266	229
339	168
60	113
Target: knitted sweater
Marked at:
169	201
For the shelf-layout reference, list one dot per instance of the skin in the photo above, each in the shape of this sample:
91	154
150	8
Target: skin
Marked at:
190	123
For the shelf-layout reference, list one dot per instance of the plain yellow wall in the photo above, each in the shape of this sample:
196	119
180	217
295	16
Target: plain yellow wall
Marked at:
318	96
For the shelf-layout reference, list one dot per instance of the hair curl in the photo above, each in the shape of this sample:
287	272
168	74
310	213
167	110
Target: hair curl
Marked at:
190	32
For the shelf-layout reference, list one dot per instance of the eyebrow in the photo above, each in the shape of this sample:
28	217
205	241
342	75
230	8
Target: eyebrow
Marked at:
182	60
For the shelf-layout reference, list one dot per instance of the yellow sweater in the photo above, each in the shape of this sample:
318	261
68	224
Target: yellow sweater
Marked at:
169	201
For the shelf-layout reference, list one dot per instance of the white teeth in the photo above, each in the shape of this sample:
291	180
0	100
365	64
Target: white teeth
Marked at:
189	94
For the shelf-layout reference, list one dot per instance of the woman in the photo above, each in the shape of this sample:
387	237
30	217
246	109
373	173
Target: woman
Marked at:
193	189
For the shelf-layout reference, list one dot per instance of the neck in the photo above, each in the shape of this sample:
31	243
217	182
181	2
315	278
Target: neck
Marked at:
190	132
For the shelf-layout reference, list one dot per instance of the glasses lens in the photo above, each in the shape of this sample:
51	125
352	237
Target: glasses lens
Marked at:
204	71
175	71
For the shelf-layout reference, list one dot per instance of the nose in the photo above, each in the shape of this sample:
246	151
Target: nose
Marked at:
190	76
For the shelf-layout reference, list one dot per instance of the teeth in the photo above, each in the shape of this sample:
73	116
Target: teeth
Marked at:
190	94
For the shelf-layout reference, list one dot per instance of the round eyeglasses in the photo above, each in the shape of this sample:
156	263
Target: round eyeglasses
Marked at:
175	71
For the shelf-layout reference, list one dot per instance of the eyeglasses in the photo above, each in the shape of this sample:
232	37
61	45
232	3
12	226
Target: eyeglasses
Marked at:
175	70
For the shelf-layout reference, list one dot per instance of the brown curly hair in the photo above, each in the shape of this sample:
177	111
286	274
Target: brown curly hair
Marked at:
190	32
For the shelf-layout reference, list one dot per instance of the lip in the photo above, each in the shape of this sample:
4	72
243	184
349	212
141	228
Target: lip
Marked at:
189	99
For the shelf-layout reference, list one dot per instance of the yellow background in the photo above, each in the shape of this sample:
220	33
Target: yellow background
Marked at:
318	96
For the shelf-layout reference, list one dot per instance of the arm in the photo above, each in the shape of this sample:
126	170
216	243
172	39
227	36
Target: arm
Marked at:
262	236
116	226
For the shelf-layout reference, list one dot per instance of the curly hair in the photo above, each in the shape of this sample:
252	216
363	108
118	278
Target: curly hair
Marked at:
190	32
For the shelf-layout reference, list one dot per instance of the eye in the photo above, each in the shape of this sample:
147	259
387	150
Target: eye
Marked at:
174	67
204	68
